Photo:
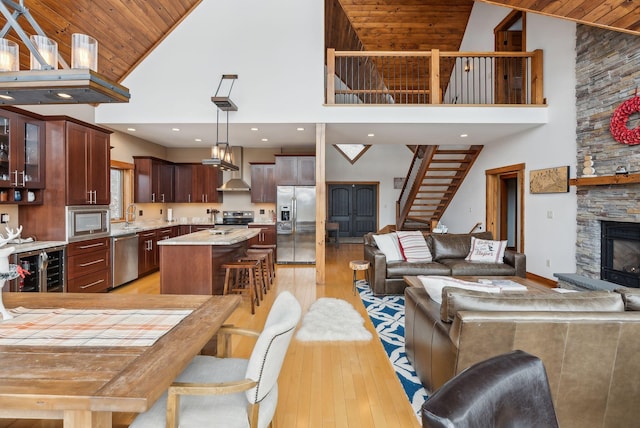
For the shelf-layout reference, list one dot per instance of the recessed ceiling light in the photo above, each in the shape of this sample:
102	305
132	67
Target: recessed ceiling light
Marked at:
63	95
299	129
254	129
371	135
198	139
175	129
265	139
464	135
131	129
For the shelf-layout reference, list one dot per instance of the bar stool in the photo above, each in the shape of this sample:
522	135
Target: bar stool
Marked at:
239	278
357	265
272	255
263	272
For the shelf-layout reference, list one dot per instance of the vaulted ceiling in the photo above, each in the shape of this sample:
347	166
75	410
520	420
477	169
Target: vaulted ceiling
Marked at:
128	30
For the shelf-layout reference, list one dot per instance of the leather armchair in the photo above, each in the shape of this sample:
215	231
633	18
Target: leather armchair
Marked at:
509	390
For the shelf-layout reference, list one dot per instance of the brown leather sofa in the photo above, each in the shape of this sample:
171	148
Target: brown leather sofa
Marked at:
588	342
448	252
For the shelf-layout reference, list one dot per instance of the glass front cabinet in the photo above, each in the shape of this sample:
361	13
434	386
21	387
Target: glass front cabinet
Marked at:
21	159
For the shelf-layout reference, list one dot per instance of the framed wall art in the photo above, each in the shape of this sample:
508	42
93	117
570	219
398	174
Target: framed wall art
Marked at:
549	180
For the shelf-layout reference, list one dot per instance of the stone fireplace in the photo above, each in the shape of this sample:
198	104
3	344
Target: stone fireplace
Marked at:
607	75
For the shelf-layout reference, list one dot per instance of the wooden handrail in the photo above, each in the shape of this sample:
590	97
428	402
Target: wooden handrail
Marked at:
464	78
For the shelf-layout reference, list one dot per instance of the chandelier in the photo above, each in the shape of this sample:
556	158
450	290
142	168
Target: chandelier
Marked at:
44	83
221	155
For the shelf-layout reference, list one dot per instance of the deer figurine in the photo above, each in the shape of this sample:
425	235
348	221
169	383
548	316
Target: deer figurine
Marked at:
5	272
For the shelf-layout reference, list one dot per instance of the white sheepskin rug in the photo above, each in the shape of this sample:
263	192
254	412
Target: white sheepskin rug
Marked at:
332	319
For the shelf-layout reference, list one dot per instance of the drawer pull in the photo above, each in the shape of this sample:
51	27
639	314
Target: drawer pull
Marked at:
83	247
91	263
92	284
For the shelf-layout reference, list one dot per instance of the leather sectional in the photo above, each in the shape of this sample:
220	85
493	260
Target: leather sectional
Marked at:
448	252
588	341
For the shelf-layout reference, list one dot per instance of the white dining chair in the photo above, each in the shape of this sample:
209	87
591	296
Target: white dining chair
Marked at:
230	392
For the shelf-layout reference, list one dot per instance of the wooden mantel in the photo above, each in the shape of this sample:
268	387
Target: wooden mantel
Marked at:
605	180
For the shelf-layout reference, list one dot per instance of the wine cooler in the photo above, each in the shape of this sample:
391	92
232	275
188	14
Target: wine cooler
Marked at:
45	270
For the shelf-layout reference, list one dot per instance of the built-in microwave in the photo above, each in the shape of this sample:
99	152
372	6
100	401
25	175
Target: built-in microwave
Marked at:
87	222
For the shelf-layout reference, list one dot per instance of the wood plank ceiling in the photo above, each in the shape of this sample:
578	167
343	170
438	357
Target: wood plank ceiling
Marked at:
128	30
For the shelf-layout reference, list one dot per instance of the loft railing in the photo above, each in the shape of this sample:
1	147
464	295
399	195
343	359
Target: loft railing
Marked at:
434	77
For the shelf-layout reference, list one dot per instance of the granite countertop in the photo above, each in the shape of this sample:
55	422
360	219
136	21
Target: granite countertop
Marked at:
207	237
118	229
35	245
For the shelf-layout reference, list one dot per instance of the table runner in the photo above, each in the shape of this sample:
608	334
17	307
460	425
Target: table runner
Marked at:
88	327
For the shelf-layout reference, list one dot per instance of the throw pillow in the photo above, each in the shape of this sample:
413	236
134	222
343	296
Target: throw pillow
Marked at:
484	250
414	247
389	245
434	285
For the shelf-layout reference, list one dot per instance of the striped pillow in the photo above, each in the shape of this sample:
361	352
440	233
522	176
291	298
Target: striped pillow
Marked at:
414	247
484	250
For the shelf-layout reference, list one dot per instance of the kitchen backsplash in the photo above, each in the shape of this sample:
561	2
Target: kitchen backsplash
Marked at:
231	202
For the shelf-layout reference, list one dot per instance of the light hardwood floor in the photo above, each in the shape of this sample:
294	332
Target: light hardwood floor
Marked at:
322	384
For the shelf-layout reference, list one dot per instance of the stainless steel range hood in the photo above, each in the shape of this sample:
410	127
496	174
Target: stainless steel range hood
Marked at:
236	184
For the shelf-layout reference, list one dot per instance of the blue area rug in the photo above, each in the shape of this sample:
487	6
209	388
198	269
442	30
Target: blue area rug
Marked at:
387	315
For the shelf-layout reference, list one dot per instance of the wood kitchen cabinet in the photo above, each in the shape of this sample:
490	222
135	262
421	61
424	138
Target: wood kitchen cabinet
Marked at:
22	157
77	172
89	266
88	157
267	235
147	252
206	180
153	180
197	183
263	182
183	182
295	170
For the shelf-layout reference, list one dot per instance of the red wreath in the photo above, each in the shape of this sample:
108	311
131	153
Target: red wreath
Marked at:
618	125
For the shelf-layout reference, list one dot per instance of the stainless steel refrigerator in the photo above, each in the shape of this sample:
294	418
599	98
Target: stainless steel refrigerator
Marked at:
296	224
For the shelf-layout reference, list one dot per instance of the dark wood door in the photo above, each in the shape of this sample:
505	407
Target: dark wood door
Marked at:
354	207
510	72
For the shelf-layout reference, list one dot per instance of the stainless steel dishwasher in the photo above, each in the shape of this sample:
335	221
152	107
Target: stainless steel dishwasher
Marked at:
124	260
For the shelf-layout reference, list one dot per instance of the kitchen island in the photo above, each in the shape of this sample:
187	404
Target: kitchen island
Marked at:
191	264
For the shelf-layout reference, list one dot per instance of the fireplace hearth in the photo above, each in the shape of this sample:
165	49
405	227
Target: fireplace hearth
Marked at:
621	253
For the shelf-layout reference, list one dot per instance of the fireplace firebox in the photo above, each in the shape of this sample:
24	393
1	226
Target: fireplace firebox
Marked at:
620	253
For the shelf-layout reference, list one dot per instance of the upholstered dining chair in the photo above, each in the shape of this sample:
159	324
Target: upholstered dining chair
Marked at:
509	390
230	392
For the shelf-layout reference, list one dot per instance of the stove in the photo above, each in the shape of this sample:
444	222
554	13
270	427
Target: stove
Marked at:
238	218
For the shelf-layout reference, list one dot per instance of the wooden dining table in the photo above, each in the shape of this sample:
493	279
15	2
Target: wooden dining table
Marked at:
85	385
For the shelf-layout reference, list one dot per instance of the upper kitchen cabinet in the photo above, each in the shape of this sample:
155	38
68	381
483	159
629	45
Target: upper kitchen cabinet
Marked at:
263	182
206	180
197	183
295	170
22	152
88	158
153	180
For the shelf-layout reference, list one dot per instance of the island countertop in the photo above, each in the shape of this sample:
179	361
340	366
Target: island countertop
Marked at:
213	237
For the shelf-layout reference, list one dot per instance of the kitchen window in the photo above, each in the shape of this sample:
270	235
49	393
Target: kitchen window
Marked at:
121	189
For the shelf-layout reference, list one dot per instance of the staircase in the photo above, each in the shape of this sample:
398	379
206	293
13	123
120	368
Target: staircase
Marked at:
434	177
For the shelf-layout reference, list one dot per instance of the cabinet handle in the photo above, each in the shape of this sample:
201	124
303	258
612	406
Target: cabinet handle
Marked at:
23	178
95	196
153	197
82	247
15	182
189	198
91	263
92	284
162	197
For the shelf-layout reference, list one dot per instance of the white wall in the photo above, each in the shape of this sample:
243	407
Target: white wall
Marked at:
381	163
547	146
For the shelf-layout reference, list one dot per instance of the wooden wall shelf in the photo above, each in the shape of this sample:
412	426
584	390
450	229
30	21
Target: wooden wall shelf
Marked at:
605	180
